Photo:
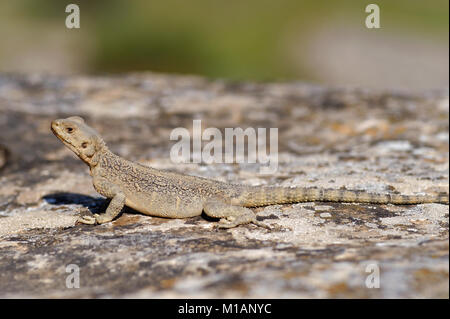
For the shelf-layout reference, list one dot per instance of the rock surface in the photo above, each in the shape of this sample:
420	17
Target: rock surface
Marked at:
328	137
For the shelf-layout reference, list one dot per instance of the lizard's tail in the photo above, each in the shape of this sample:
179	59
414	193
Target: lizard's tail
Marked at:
280	195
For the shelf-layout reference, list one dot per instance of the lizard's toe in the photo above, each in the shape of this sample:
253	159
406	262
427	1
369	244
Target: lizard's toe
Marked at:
89	220
101	219
225	224
259	224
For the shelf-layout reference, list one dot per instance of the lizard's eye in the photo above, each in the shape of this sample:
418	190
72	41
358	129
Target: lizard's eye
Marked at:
84	145
69	130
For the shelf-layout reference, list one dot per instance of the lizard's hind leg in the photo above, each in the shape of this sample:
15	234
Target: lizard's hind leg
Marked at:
230	215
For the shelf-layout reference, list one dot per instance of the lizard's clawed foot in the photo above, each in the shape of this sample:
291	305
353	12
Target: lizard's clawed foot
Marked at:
86	219
259	224
103	218
95	219
225	224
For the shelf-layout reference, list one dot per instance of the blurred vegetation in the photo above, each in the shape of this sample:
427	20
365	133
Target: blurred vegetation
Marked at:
246	39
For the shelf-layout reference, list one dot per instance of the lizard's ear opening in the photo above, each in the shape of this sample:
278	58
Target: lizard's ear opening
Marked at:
76	119
98	141
88	148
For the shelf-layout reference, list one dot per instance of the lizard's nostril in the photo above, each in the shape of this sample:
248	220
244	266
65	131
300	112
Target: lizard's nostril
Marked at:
54	126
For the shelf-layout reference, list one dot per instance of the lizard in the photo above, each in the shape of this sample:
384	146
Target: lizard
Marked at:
174	195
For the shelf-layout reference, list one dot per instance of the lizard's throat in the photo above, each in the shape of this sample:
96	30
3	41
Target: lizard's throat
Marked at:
89	160
69	145
65	142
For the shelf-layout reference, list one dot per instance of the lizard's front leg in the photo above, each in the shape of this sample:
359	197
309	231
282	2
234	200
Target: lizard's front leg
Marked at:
115	206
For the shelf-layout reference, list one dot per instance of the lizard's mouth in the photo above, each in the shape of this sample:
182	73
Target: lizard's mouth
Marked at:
64	141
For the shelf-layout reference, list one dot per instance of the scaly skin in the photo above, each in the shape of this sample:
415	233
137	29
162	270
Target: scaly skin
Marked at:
166	194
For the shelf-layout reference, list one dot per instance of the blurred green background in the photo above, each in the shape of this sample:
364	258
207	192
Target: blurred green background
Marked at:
262	40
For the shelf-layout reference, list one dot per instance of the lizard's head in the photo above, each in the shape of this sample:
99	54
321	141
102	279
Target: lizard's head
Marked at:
84	141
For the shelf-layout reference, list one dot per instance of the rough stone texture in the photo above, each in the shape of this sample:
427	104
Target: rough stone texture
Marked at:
331	137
